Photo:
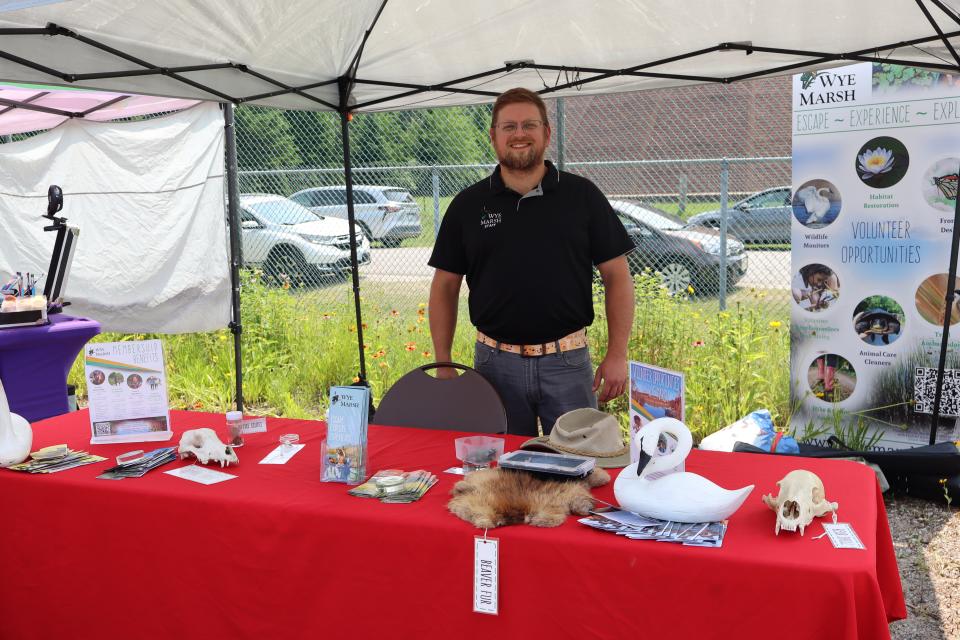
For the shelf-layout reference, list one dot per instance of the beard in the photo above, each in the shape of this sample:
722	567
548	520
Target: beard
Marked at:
523	160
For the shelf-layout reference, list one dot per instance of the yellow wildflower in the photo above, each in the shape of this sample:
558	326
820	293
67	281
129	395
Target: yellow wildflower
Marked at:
775	324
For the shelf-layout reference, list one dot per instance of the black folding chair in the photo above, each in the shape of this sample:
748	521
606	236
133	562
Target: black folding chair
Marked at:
465	403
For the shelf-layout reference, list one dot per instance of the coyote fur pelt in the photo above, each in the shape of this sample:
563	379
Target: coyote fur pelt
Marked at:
498	497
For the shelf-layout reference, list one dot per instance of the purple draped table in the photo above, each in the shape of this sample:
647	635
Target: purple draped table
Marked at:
34	362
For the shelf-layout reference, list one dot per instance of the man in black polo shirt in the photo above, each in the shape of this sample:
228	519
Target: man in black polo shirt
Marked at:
527	239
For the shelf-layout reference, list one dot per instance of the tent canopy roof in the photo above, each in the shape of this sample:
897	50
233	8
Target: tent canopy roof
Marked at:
256	51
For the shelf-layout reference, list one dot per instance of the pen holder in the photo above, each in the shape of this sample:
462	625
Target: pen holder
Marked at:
478	452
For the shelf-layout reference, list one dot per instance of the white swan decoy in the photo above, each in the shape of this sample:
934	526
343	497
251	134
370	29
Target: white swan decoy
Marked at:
681	496
16	436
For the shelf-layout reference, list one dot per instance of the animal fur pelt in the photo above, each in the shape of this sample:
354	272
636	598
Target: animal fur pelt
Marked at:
498	497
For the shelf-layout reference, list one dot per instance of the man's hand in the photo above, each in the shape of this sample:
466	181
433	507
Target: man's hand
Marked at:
612	373
446	373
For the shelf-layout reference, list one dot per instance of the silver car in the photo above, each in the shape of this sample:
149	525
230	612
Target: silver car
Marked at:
763	217
387	214
290	242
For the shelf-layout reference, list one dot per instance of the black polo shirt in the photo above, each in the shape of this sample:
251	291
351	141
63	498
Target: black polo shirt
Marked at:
528	259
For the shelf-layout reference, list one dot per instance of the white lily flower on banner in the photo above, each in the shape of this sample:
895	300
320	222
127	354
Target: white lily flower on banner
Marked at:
873	162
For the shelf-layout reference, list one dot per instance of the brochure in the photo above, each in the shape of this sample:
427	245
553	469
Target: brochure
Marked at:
344	452
127	386
654	393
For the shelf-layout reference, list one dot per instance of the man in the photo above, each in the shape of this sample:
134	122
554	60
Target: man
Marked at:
527	239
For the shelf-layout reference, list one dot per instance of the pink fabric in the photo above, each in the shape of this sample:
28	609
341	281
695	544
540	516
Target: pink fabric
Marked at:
18	120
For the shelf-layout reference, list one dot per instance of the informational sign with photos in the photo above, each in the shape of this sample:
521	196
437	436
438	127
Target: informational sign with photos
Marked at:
127	388
876	159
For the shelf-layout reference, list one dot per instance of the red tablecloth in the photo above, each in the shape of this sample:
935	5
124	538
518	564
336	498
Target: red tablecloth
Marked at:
276	553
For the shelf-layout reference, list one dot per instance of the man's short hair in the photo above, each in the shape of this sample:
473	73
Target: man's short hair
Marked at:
516	96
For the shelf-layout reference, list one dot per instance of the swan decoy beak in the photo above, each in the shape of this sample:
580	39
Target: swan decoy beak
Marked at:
644	460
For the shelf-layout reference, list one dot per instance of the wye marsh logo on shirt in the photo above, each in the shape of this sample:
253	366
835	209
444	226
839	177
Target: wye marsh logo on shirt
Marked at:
489	219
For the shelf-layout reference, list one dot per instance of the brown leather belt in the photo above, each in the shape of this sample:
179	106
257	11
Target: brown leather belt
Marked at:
576	340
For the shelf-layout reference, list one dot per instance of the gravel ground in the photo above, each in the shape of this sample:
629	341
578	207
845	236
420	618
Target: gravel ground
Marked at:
926	537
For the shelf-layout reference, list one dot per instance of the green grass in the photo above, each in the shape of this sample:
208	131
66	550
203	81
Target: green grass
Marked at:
296	344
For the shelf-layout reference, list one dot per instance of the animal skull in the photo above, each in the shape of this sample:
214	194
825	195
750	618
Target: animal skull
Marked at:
801	498
205	446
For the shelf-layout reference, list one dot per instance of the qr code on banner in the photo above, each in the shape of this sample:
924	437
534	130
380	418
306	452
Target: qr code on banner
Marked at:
925	387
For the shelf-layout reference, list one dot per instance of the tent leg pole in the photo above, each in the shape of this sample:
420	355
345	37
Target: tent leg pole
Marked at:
351	219
948	307
233	217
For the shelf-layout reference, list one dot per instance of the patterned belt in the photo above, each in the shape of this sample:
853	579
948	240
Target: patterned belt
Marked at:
576	340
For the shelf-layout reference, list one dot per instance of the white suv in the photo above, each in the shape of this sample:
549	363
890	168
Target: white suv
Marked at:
387	214
290	241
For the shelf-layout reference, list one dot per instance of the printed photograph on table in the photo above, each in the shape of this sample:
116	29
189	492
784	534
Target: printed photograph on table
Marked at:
931	300
878	320
939	184
831	378
815	287
816	204
882	162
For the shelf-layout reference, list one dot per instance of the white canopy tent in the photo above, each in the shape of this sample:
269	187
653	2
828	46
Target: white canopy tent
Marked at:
291	54
369	55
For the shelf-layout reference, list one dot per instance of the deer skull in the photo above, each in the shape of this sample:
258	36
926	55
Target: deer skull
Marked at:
205	446
801	498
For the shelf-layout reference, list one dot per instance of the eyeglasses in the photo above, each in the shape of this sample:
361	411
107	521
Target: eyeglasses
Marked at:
510	128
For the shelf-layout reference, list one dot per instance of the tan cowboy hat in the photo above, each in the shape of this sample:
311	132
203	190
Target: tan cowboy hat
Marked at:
585	432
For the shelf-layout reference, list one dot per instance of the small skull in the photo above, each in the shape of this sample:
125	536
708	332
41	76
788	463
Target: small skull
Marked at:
204	445
801	498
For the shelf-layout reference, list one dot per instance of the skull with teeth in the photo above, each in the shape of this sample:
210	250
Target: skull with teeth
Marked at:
204	445
801	498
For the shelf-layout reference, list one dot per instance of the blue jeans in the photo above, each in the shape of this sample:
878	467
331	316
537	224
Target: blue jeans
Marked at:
542	387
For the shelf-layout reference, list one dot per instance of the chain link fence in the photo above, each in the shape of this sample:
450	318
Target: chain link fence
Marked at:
668	159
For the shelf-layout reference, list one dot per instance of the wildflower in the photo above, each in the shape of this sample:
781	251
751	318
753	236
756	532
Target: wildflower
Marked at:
223	337
363	324
873	162
410	346
384	365
328	316
356	379
198	405
690	288
421	312
698	343
365	346
286	284
420	319
394	313
353	328
427	354
724	314
422	305
775	324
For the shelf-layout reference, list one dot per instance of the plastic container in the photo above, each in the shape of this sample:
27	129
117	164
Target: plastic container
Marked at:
478	452
233	428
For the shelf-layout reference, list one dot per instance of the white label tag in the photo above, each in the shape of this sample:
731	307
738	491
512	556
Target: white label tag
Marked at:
196	473
486	574
842	536
281	454
253	425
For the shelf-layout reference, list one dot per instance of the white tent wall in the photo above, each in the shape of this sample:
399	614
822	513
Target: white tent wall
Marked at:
148	198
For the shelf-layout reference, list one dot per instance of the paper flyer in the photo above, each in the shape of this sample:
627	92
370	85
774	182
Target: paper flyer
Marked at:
654	393
127	387
876	157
